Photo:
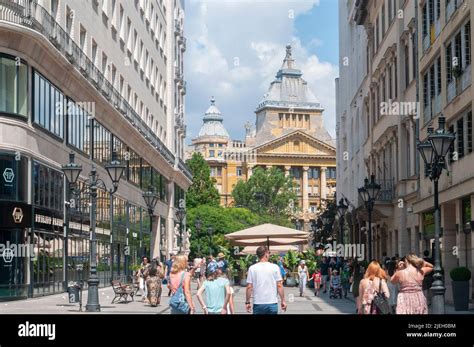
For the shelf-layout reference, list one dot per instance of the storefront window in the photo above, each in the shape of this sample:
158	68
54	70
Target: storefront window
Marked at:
134	165
49	106
13	85
466	213
146	175
13	177
48	187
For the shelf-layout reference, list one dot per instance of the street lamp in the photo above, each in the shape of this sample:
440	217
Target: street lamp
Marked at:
71	172
180	215
369	193
433	152
210	230
115	171
341	212
151	199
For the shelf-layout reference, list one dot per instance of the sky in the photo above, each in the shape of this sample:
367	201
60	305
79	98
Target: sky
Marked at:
235	48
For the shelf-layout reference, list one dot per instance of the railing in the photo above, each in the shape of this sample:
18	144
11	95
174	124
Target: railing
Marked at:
30	14
451	90
450	9
426	42
387	191
466	77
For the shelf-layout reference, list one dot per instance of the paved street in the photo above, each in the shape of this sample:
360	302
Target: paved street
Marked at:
58	304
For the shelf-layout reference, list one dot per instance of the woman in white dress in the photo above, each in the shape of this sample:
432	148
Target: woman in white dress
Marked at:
303	275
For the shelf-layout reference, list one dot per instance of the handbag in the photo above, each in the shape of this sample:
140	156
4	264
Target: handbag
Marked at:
178	301
381	302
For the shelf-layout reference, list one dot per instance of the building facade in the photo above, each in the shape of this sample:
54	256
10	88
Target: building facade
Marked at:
397	81
288	134
102	79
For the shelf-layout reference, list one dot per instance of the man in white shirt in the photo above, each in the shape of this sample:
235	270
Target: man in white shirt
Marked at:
265	284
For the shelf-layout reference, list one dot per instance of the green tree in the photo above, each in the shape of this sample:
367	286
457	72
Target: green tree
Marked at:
202	191
265	192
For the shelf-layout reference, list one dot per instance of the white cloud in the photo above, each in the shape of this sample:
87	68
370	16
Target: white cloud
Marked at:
235	49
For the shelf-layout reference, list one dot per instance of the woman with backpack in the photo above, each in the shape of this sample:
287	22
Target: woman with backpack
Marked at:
373	284
181	301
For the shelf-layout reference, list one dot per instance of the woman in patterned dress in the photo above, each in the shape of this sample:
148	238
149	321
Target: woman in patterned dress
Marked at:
409	276
153	282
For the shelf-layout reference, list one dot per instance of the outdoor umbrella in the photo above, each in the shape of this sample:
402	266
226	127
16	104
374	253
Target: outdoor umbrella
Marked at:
269	234
275	249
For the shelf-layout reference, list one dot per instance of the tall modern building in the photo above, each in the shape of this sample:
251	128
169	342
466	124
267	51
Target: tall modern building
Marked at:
403	64
289	134
102	79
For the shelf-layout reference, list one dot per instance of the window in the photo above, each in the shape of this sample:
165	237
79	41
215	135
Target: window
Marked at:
146	173
467	44
239	171
295	172
313	173
212	153
133	168
331	173
466	214
13	85
16	187
48	187
78	127
407	67
101	144
49	106
449	64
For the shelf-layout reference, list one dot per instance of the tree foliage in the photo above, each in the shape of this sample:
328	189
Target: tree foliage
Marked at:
202	191
265	192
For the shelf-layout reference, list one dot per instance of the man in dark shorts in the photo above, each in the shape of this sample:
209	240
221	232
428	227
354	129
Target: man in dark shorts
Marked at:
324	273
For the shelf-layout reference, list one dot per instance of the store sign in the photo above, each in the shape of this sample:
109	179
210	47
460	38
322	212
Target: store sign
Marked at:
17	215
8	175
14	214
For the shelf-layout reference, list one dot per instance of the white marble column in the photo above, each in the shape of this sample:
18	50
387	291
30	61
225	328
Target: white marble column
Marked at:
305	189
249	171
287	170
323	188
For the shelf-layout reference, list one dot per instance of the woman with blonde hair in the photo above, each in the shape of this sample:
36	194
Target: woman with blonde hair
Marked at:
372	283
180	287
410	273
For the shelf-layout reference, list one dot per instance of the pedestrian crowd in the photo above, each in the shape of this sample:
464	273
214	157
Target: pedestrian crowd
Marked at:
394	285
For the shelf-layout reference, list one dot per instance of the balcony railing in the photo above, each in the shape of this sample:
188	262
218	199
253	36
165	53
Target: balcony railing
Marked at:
32	15
466	77
451	90
387	191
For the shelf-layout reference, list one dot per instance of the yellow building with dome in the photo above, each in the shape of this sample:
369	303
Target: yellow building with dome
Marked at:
289	134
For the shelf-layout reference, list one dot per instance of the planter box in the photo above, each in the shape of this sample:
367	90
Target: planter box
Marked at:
461	295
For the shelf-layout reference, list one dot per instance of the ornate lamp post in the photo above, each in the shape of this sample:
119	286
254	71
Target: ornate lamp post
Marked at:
341	212
433	151
72	170
115	171
369	193
151	199
180	215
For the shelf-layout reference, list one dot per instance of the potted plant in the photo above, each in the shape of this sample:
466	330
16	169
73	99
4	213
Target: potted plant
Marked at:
460	277
291	262
245	263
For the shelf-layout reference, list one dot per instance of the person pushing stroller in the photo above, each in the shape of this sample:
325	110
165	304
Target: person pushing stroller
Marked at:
335	286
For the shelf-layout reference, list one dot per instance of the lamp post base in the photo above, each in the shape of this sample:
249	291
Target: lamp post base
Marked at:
93	295
437	292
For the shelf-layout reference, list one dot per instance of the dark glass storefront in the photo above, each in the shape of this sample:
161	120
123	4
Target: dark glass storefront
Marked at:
15	221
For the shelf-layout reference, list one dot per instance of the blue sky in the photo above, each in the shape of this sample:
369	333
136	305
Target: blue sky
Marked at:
235	48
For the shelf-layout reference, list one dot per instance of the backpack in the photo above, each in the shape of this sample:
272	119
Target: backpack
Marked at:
178	300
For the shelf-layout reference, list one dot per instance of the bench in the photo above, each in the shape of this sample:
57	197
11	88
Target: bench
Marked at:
122	291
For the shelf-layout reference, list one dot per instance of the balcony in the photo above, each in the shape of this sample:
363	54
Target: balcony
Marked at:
387	191
466	77
35	17
426	42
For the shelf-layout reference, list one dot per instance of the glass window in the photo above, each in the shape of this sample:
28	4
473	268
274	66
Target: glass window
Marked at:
78	127
102	144
13	85
146	172
212	153
134	168
239	171
48	106
48	187
120	150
